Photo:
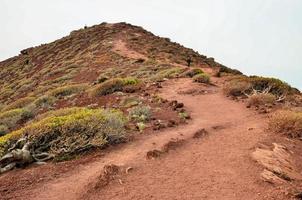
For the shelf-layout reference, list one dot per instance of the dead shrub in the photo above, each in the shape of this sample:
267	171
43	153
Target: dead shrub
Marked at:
288	123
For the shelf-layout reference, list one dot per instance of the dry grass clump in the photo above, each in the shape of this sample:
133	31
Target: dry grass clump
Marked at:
44	101
236	87
261	99
194	71
288	123
67	90
114	85
201	78
71	133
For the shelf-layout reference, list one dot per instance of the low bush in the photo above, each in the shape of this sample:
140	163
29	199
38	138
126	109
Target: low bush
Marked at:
60	112
140	113
236	87
193	72
3	130
114	85
201	78
239	84
71	133
261	99
278	87
67	90
166	73
11	118
20	103
45	101
224	69
288	123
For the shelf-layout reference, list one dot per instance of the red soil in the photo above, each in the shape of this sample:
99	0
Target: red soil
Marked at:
217	166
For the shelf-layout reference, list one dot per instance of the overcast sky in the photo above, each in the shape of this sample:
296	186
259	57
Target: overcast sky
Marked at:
262	37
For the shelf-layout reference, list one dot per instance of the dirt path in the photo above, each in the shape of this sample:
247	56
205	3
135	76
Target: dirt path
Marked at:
217	166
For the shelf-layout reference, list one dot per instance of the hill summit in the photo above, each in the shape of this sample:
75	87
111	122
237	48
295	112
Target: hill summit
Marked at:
114	49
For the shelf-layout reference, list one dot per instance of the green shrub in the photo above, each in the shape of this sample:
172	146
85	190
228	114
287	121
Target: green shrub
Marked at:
288	123
201	78
140	113
71	133
130	102
67	90
20	103
278	87
60	112
114	85
194	71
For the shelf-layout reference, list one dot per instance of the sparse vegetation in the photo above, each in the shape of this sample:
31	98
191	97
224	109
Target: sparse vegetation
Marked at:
140	113
288	123
201	78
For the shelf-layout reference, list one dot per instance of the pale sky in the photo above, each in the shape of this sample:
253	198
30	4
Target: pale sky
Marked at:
262	37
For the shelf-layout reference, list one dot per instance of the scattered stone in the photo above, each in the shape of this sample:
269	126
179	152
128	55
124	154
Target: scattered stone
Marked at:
171	123
153	154
173	144
200	133
158	124
278	164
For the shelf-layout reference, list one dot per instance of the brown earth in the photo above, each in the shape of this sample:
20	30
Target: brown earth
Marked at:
216	166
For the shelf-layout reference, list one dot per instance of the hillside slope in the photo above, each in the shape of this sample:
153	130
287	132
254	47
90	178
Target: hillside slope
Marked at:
85	54
116	113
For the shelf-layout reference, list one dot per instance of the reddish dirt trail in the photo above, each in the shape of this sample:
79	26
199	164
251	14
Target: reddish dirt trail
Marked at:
217	166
